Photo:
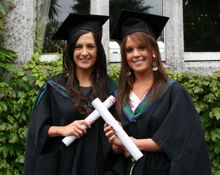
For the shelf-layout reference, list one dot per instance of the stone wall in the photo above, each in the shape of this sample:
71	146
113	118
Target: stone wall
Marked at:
101	7
20	29
21	23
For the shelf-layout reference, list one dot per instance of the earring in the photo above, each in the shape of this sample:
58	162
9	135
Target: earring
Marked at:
129	73
155	68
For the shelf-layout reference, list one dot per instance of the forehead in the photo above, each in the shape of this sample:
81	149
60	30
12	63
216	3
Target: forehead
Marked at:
133	40
87	37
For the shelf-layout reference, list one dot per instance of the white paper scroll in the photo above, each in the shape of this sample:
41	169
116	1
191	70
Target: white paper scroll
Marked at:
90	118
110	120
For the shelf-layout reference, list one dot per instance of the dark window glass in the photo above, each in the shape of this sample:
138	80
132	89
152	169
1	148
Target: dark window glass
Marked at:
156	7
59	10
115	7
147	6
201	25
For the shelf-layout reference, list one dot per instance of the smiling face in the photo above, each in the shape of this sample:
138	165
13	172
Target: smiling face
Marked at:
137	56
85	52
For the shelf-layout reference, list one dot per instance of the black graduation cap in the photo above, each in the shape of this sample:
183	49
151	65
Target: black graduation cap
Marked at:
133	21
75	22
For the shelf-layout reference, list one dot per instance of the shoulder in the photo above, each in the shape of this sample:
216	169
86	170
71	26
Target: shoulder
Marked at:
57	82
59	79
177	87
177	91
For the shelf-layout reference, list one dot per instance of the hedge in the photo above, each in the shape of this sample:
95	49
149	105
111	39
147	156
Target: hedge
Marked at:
19	87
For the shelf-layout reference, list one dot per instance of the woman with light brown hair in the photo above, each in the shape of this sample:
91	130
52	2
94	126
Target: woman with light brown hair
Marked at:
156	112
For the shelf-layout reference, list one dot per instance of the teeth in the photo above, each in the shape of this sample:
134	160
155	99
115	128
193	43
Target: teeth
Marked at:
135	61
84	59
138	62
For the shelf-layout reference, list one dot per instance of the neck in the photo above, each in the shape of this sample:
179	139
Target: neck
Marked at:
84	77
143	82
143	77
142	85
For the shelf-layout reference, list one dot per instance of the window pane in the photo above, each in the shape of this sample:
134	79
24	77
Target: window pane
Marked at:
59	10
201	25
116	6
147	6
156	6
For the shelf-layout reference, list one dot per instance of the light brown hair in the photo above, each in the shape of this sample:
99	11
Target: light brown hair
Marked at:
126	82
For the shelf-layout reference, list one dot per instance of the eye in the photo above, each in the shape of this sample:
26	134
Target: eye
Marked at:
141	48
91	46
129	50
78	46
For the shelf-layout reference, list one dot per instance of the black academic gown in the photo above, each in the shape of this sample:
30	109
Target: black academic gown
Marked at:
173	123
49	156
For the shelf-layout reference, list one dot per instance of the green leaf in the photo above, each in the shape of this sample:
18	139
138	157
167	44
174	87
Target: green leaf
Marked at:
21	94
13	138
215	113
4	150
3	107
2	126
39	83
215	134
20	159
217	149
210	97
11	119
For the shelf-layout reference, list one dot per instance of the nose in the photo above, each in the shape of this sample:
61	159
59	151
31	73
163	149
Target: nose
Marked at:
84	51
136	53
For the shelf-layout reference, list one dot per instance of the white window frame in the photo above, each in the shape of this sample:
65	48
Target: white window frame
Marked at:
201	56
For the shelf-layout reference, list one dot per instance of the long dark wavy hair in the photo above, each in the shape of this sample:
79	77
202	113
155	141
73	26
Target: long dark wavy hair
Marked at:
126	82
99	73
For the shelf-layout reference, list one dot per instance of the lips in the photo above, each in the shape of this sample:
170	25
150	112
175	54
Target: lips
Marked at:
84	60
138	62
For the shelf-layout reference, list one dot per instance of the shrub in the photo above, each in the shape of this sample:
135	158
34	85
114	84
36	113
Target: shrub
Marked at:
17	96
19	90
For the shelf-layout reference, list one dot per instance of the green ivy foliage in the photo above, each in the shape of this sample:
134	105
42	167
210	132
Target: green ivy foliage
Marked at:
19	90
114	71
17	97
205	91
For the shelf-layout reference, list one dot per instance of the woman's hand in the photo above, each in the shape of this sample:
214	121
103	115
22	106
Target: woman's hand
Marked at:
77	128
126	153
117	146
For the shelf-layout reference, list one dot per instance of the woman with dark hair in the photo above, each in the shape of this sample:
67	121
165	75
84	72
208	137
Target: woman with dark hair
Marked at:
64	102
156	112
98	74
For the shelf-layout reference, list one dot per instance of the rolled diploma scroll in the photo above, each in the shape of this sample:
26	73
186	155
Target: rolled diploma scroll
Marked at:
91	118
110	120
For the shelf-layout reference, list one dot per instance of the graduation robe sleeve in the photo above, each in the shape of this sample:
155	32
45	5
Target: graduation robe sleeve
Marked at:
38	130
174	124
180	135
45	155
